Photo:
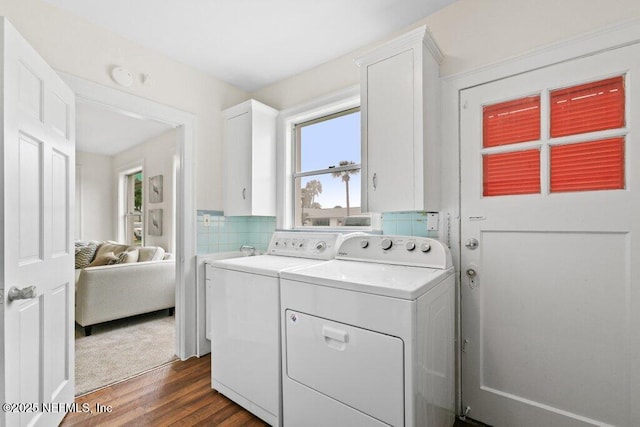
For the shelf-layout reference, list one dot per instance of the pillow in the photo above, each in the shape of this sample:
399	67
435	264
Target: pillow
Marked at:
151	253
125	257
103	259
85	253
128	256
107	247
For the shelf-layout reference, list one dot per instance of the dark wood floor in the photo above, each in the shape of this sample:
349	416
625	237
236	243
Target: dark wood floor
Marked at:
177	394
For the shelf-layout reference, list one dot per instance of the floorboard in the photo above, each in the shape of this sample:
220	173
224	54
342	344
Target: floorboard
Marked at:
176	394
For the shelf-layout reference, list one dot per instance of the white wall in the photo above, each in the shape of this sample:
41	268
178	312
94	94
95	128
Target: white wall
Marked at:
472	34
75	46
96	196
156	155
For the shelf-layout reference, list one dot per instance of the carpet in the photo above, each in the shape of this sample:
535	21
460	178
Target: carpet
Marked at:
121	349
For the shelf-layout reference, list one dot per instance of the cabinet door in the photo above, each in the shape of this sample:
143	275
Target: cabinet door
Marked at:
238	165
390	134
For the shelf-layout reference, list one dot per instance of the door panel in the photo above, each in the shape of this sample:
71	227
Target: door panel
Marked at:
60	203
30	206
38	148
29	372
548	319
30	93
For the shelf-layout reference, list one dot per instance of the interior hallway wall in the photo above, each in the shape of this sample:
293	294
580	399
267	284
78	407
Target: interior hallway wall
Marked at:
96	204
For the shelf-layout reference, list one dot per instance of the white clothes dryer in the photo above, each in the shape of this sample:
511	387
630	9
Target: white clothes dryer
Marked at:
245	319
368	338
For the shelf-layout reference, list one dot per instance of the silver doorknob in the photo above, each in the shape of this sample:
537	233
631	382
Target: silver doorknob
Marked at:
472	244
471	273
24	293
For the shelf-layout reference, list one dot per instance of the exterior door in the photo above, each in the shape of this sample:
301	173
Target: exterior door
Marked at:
550	192
37	369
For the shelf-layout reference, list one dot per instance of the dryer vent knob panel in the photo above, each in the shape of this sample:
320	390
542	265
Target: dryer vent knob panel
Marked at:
399	250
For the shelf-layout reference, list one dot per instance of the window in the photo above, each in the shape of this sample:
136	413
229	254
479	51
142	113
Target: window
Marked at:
133	217
585	146
326	187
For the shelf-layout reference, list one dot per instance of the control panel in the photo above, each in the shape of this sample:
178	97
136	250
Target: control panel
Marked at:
304	245
401	250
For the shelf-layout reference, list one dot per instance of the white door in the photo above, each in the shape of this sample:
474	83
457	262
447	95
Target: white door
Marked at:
551	318
37	345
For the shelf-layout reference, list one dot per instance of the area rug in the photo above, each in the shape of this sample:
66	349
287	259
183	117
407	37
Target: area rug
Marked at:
118	350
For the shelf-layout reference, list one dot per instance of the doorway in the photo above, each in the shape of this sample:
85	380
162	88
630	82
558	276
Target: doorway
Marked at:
129	328
183	123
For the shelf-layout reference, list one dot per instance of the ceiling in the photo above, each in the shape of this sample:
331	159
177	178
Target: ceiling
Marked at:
253	43
102	130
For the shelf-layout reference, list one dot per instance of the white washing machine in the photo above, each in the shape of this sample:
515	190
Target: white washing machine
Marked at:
368	338
245	319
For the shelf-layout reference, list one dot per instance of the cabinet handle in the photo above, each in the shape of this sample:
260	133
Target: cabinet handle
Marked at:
374	180
244	193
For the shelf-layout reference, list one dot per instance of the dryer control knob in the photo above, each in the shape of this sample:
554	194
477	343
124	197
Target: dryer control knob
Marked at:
364	244
410	246
386	244
321	246
425	247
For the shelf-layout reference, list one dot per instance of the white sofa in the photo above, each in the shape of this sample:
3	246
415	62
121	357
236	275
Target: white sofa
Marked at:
109	292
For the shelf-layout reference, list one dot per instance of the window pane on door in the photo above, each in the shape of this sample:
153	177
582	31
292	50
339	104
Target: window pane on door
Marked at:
597	165
588	108
511	173
511	122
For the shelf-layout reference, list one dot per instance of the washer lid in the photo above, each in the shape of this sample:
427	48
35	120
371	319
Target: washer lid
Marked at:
397	281
266	265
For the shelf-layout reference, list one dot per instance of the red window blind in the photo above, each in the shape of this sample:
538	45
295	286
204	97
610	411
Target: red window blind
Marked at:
511	173
597	165
510	122
587	108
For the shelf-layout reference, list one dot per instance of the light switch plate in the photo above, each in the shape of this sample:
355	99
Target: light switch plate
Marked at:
432	221
206	219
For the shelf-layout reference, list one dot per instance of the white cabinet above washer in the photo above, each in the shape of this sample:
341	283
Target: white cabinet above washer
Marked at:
249	159
400	107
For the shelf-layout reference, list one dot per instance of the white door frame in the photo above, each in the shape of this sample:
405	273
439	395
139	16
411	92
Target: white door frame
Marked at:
185	220
612	37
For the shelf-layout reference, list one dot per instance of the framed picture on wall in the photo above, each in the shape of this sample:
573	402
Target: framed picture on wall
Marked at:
155	222
155	189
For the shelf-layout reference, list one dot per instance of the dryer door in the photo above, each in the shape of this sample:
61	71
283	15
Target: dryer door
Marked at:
355	366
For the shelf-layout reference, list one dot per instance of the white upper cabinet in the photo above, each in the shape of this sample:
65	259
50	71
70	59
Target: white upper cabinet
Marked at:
250	159
400	113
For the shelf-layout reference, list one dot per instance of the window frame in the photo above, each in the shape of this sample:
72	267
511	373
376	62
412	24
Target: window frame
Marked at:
334	103
297	154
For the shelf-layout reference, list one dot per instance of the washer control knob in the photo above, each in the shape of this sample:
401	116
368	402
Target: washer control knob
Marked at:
364	244
410	246
321	246
386	244
425	247
301	245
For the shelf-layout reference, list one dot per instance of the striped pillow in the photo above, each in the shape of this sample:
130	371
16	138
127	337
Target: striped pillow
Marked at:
85	254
